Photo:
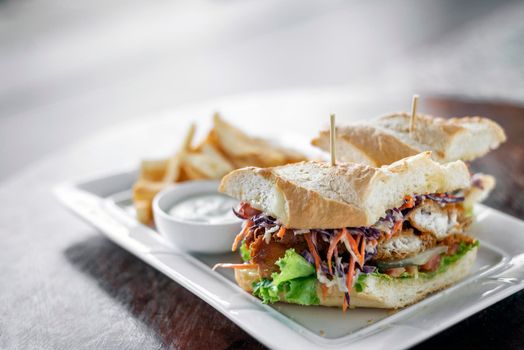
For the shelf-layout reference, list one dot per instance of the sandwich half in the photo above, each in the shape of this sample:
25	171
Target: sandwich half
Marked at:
388	139
351	234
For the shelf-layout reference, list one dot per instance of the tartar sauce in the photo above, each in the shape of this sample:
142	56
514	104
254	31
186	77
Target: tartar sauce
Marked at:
212	208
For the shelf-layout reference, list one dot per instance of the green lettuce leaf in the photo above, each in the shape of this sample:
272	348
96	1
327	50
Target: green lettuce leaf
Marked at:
302	291
360	283
244	252
266	291
292	266
451	259
295	283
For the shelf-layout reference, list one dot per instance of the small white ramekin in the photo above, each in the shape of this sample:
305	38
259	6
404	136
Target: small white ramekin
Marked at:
195	237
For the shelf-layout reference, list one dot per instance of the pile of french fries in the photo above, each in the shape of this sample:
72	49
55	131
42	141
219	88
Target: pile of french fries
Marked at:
224	149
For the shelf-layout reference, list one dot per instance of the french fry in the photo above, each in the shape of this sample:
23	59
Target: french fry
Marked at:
146	190
173	166
211	139
212	151
243	150
209	166
174	163
153	170
144	212
192	173
183	175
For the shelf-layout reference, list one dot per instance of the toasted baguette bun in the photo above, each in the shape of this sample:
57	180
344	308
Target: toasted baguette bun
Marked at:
383	293
388	139
318	195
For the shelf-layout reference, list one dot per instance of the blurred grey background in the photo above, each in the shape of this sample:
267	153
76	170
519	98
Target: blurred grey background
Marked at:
71	68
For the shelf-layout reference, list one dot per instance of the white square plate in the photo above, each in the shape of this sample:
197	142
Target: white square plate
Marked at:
499	272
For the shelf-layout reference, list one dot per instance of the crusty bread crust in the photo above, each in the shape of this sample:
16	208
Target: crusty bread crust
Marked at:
383	293
318	195
387	139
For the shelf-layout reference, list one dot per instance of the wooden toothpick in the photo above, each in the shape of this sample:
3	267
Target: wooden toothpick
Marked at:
414	103
332	137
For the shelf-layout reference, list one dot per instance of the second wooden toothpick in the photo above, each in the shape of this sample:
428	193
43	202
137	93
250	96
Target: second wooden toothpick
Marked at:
414	103
332	137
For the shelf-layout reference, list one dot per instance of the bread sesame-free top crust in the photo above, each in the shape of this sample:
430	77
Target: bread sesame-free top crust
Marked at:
318	195
388	139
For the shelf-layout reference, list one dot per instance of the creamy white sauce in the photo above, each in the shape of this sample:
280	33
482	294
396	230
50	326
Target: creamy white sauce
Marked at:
211	208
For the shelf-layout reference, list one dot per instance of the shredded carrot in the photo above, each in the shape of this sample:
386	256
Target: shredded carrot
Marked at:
349	281
396	227
241	235
362	251
353	244
312	249
359	240
324	290
332	247
281	232
236	266
351	272
410	203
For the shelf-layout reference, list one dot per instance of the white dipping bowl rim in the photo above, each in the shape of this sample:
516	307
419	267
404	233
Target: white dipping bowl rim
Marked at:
196	237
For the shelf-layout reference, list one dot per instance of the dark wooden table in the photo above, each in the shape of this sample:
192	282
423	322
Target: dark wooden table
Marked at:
57	291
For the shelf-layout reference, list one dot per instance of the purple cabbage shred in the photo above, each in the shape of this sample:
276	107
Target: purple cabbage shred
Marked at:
348	299
445	199
307	255
368	269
